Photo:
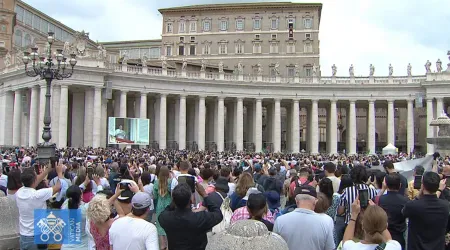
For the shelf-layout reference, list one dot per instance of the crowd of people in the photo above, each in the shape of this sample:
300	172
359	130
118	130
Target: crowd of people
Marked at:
165	199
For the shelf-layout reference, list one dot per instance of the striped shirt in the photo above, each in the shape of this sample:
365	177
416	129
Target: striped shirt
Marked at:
349	195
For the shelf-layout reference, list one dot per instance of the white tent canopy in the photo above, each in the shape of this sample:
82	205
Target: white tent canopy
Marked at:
390	149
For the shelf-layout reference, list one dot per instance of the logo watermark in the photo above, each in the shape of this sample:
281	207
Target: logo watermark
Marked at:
53	226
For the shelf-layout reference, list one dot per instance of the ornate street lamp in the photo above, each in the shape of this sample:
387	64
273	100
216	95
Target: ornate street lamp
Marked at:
48	68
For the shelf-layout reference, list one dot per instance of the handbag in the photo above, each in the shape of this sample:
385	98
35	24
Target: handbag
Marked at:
226	212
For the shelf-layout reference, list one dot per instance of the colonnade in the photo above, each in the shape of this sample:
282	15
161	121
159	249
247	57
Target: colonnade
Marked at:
188	117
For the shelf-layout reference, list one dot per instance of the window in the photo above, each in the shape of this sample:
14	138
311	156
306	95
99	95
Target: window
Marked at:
239	48
3	28
20	12
274	24
239	24
181	50
308	48
181	38
36	22
193	26
44	26
274	48
192	50
308	71
274	36
207	49
257	24
169	27
307	22
257	37
155	52
291	23
58	34
2	44
291	71
51	27
28	18
290	48
192	39
222	48
206	26
308	36
27	40
18	38
223	25
256	48
168	50
182	27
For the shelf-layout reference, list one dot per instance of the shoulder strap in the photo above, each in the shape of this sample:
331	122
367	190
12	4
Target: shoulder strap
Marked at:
220	196
381	246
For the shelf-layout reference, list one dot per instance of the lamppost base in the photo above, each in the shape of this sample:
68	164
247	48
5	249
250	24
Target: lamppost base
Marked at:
45	151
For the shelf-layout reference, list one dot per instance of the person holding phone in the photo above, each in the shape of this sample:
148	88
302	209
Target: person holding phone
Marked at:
415	184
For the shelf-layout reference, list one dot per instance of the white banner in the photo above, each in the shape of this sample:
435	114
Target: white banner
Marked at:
406	168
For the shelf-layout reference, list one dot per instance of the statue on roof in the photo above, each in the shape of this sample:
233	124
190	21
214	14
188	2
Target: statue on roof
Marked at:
408	69
391	70
240	68
81	42
259	69
203	67
66	48
439	66
163	62
372	70
428	67
333	70
220	67
124	57
315	70
351	71
7	59
277	68
144	59
101	54
297	70
184	65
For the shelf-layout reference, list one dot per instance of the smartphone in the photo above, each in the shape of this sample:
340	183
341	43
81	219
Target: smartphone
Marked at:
372	177
418	181
90	172
123	185
363	198
53	161
316	177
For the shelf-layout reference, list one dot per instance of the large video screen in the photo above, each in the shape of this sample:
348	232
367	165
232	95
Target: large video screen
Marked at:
128	131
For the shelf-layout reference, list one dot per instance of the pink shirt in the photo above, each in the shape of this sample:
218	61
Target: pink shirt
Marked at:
243	214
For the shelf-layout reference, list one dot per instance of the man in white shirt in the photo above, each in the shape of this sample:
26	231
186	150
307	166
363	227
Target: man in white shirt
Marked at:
133	232
3	178
302	228
28	199
330	168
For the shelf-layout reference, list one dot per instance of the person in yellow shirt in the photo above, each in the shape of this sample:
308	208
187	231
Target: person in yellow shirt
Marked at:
412	193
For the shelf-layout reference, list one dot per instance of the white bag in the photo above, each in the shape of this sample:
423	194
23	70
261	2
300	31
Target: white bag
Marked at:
227	213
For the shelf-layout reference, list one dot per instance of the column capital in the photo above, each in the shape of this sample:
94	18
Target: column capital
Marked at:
183	96
439	99
239	99
63	85
390	101
163	95
277	99
352	101
201	97
123	91
258	99
314	100
18	91
295	100
144	93
429	99
410	100
221	98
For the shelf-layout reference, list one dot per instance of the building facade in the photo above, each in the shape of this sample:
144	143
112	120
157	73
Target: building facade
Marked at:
247	98
275	38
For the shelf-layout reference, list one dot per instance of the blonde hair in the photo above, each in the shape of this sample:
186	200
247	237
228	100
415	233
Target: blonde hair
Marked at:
100	171
244	183
99	209
374	224
163	181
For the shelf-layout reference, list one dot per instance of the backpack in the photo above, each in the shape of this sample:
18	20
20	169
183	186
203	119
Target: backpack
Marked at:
227	213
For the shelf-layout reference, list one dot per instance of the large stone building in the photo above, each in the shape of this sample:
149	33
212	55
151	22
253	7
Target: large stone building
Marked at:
247	98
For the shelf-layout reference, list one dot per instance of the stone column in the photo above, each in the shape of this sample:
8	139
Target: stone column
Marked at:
295	127
33	131
42	91
17	118
439	106
314	128
182	123
97	118
123	104
258	125
276	121
371	142
117	95
220	124
56	96
2	117
430	130
88	116
104	123
333	127
410	127
162	121
8	117
390	123
352	128
63	116
239	124
201	123
143	106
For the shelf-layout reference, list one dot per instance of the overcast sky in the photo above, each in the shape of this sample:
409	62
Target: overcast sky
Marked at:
358	32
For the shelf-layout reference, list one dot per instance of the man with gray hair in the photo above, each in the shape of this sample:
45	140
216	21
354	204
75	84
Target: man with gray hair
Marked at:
303	228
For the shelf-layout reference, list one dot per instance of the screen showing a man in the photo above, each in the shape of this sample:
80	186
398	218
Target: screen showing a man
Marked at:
120	133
